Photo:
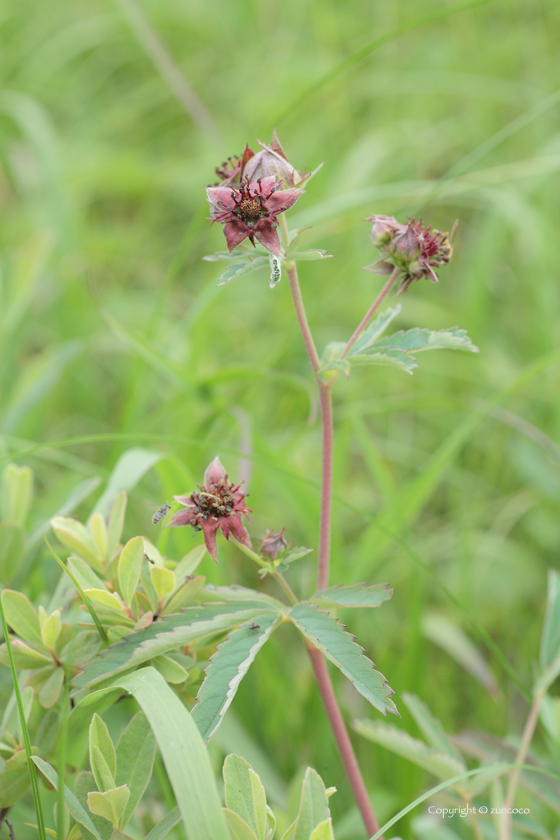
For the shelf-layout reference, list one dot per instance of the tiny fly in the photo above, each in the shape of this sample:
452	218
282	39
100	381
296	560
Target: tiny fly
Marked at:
161	513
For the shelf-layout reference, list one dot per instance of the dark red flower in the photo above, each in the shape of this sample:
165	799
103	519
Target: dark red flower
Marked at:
251	211
411	248
219	504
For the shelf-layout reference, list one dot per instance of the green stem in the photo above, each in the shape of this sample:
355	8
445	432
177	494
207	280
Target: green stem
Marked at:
527	737
24	730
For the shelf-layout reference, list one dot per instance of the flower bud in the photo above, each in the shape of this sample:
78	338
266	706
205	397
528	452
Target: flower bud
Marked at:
273	544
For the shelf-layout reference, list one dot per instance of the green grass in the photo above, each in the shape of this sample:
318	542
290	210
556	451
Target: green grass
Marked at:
111	324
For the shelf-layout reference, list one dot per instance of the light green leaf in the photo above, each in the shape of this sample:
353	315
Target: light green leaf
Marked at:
327	634
170	670
357	595
75	536
84	574
238	254
129	568
21	616
128	471
188	564
80	492
244	794
184	754
375	329
376	355
84	646
419	339
237	269
98	530
24	656
194	624
12	544
451	638
163	581
312	254
227	668
431	727
50	631
100	744
135	759
110	804
550	639
323	831
238	828
400	742
184	596
16	493
80	815
106	599
50	692
13	785
165	825
116	524
314	806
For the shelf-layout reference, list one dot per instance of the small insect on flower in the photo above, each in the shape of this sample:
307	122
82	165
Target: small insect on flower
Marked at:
161	513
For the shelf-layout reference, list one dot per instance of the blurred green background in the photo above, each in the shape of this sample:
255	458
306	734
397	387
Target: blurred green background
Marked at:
113	117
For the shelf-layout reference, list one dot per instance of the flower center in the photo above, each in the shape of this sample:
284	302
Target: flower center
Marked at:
250	208
216	504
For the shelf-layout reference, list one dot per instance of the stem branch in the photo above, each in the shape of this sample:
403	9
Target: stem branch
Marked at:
528	732
365	320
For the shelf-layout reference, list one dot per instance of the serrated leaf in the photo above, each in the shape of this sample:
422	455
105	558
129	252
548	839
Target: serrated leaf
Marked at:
330	637
314	806
129	568
238	254
135	759
418	340
400	742
312	254
24	656
227	668
238	828
194	624
357	595
110	804
116	523
244	794
80	815
375	329
12	544
75	536
184	754
431	727
21	616
238	269
376	355
165	825
100	742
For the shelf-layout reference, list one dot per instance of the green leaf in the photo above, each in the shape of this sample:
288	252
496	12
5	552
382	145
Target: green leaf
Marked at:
14	784
129	568
357	595
238	828
24	656
184	754
163	581
323	831
227	668
312	254
50	692
165	825
129	469
84	574
550	639
80	814
314	806
12	544
170	670
237	269
50	631
327	634
75	536
238	254
184	596
400	742
16	493
431	728
98	530
376	355
110	804
116	524
194	624
244	794
188	564
375	329
21	616
102	754
451	638
135	759
83	647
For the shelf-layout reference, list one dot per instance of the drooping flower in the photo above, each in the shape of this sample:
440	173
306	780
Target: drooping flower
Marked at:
251	211
219	504
273	544
410	248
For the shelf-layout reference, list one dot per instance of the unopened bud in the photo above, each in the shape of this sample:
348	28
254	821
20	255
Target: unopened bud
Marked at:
273	544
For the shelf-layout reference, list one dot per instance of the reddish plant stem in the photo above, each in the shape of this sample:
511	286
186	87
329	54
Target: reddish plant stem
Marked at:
364	322
344	744
317	660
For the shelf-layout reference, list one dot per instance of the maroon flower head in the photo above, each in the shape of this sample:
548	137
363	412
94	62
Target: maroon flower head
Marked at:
411	248
251	211
219	504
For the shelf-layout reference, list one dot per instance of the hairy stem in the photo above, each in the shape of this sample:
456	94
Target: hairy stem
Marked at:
527	737
365	320
334	714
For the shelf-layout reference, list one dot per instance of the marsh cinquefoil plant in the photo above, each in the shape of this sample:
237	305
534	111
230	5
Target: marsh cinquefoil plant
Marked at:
156	630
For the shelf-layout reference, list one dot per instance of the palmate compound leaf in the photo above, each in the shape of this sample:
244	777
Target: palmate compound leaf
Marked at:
357	595
192	625
227	668
330	637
